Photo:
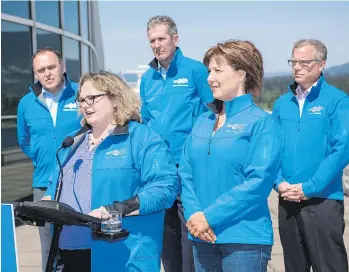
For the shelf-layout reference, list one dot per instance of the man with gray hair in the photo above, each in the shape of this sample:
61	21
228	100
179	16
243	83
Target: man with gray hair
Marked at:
173	93
315	118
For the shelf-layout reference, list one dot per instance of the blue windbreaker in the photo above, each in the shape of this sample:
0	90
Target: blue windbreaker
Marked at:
38	138
317	146
170	106
229	175
133	160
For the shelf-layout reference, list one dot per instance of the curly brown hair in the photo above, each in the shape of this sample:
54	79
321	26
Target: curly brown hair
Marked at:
127	102
241	55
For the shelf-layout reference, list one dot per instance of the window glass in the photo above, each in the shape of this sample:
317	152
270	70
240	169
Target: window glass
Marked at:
85	61
72	58
84	19
71	16
48	39
16	8
47	12
16	67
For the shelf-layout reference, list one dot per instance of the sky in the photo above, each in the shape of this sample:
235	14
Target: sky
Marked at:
272	26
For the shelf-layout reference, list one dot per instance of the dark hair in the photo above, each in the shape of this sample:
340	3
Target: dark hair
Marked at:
48	49
241	55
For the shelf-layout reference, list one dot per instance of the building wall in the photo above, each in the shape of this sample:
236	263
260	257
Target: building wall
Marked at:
71	27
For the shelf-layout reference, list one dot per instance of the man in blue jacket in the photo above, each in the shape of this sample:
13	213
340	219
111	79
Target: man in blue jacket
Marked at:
173	93
315	118
46	115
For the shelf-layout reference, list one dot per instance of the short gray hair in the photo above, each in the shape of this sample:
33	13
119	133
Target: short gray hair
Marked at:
163	20
321	49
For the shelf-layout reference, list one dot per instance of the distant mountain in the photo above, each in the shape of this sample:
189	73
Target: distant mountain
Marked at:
338	70
278	74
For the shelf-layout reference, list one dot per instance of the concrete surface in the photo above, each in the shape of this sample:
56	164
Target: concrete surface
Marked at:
30	258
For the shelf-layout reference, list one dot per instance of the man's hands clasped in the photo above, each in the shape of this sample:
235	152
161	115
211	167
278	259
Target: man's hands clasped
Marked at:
293	193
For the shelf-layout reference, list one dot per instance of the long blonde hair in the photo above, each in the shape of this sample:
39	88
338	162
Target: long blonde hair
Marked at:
126	101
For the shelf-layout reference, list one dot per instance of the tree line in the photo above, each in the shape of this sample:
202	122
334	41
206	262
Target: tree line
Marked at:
276	86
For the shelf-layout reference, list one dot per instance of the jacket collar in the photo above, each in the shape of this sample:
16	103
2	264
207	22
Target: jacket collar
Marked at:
173	67
315	90
118	130
78	136
232	107
68	91
121	130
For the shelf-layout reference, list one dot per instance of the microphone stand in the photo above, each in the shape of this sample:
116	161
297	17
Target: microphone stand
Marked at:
57	228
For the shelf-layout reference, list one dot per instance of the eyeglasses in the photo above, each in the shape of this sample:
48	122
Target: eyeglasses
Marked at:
89	100
302	63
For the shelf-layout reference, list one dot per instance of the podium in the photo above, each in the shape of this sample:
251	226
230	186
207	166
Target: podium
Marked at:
60	215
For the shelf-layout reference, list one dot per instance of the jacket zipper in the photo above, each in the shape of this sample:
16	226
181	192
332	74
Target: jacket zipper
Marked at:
93	162
298	132
209	146
209	142
163	105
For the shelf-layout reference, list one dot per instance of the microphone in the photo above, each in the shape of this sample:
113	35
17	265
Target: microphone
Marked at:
65	144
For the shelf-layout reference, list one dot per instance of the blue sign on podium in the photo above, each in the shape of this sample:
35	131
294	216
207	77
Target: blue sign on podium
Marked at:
8	239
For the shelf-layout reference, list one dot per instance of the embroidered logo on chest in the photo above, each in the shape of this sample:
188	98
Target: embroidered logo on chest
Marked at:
316	110
121	153
70	107
181	82
235	128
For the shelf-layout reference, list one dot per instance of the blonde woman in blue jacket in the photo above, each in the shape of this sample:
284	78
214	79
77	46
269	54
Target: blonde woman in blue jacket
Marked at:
115	163
229	164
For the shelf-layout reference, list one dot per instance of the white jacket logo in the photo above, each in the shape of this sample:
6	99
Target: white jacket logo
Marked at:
116	153
236	128
181	82
316	110
70	107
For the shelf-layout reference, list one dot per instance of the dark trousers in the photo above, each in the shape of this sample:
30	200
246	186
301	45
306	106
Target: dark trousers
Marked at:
76	260
177	250
311	235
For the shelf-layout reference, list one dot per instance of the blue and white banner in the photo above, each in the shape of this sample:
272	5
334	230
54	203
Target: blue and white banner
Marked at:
8	239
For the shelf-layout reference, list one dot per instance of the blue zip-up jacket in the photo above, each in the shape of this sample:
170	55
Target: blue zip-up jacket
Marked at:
229	175
170	106
38	138
133	160
317	146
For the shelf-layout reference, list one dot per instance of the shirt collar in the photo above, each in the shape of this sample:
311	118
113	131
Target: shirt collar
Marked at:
173	67
300	92
161	69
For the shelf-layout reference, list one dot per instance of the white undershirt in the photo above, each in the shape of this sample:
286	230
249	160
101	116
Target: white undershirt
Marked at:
52	101
302	95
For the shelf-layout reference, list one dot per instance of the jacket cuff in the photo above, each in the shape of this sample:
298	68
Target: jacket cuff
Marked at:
211	218
276	185
111	208
125	207
189	213
49	192
309	188
143	203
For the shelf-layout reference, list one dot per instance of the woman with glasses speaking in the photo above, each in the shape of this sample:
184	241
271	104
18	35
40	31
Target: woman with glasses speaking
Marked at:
115	164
